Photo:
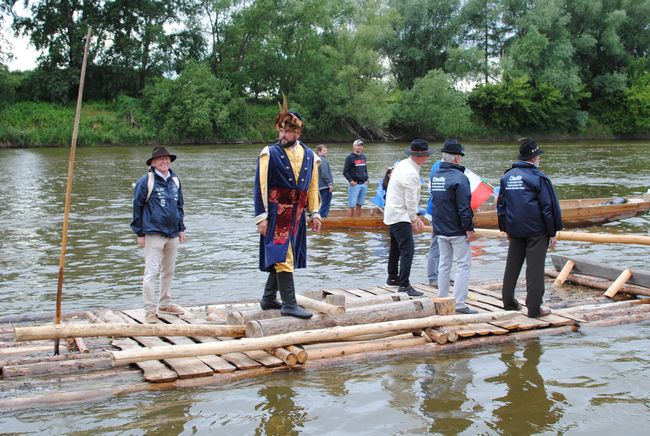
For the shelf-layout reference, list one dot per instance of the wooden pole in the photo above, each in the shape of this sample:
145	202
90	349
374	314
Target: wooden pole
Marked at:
68	191
603	238
308	336
561	278
53	331
618	283
300	353
319	306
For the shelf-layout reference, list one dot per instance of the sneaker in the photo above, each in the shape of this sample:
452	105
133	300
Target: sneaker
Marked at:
173	309
393	283
542	312
150	317
466	311
410	291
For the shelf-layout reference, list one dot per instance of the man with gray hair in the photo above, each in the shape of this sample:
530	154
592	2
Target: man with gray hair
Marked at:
453	223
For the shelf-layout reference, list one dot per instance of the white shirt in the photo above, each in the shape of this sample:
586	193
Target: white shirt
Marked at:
403	193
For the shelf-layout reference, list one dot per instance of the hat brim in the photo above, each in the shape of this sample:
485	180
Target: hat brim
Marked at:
452	152
532	155
410	152
172	157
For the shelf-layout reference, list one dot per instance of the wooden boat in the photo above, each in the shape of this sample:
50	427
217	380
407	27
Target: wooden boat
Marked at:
575	213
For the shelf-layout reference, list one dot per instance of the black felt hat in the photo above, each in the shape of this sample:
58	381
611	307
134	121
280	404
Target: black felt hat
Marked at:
418	147
452	146
529	149
160	152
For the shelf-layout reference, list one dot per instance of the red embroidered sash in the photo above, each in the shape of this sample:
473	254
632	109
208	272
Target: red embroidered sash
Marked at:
286	199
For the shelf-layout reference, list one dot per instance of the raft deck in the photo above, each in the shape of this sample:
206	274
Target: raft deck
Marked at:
29	364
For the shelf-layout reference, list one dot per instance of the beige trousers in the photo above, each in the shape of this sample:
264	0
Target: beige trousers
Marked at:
159	258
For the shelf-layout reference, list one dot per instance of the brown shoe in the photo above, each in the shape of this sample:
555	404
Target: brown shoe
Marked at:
150	317
542	312
173	309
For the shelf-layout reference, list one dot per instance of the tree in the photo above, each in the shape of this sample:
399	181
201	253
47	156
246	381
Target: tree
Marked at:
140	40
433	108
519	105
423	36
195	105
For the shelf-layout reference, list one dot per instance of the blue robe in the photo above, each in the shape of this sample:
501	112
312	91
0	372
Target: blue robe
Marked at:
287	203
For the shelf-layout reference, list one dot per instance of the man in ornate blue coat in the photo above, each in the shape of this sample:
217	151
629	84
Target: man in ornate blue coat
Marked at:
286	189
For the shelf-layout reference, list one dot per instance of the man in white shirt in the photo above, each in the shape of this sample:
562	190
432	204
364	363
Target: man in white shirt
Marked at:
400	213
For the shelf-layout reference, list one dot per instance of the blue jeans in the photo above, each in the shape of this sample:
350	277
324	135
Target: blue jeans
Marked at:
325	201
450	247
433	258
357	194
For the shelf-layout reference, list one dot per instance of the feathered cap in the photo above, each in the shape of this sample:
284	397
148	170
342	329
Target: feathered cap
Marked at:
288	119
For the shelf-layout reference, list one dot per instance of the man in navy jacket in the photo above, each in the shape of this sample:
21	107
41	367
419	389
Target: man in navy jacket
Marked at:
158	223
529	213
453	223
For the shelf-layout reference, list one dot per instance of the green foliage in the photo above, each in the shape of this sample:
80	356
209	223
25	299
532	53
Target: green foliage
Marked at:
433	108
518	105
194	106
44	124
9	82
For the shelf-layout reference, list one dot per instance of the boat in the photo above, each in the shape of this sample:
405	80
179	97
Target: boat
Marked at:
575	213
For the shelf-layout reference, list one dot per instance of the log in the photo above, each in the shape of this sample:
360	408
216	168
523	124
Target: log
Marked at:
445	305
81	345
61	367
300	353
347	349
241	317
639	277
216	318
369	301
61	331
359	315
593	282
618	283
603	238
561	278
319	306
285	355
336	300
310	336
436	336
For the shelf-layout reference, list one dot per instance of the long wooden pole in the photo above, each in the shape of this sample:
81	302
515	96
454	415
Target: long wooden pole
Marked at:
604	238
68	191
308	336
53	331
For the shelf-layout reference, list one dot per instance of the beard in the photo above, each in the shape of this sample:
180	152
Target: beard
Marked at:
288	143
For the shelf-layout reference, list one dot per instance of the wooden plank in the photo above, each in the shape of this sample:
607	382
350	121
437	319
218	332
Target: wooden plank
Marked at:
639	277
522	323
218	364
154	371
239	360
186	367
340	292
377	290
493	298
481	329
359	292
427	290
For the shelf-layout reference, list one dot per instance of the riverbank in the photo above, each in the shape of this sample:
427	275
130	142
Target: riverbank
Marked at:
37	124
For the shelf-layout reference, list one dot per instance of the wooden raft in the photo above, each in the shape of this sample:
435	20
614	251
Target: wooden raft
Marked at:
92	357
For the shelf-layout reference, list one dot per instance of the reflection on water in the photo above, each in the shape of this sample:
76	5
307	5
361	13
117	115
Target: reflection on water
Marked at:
525	386
596	382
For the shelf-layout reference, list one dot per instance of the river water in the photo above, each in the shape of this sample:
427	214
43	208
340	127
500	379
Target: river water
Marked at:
592	381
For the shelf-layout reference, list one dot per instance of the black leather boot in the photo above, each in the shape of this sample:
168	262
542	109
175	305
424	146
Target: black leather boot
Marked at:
270	300
288	292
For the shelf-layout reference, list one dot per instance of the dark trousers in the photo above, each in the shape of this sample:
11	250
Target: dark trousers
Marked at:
325	201
533	250
401	251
